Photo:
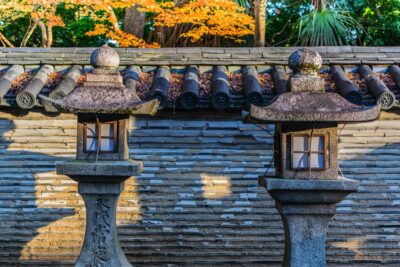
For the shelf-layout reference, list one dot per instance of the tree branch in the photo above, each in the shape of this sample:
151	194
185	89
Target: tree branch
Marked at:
29	33
5	40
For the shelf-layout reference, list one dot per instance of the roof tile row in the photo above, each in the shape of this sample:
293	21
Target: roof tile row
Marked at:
271	78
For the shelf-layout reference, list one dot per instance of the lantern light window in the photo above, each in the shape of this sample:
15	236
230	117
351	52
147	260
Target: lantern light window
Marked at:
101	136
309	155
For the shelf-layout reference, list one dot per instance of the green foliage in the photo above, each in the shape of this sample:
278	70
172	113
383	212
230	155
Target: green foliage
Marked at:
281	21
289	22
15	31
74	31
380	20
328	26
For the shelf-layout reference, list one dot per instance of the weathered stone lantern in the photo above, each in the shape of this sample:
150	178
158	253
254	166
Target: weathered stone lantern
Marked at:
102	163
307	187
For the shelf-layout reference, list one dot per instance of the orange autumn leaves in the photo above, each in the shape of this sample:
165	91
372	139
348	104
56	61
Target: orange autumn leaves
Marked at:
107	23
125	39
195	21
205	19
45	10
222	18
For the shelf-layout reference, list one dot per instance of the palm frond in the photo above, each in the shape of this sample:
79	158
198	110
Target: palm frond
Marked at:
327	26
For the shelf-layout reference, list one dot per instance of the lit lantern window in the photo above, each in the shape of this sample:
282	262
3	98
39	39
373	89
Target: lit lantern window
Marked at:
101	137
309	155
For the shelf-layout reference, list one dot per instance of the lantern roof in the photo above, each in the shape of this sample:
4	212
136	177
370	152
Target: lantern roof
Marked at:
103	90
313	107
306	99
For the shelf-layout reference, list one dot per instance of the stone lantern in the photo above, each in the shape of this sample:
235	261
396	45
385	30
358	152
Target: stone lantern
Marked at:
102	162
307	187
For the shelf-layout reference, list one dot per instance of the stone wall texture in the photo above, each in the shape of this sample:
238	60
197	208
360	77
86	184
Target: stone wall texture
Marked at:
197	202
346	55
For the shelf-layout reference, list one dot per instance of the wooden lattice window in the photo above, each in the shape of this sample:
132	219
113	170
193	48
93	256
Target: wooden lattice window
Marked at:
309	153
101	137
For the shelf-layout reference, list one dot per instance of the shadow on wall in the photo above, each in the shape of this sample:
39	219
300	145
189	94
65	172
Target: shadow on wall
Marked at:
366	228
197	201
200	201
42	217
23	211
197	204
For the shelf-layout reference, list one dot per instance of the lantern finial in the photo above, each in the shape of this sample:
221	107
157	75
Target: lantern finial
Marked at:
305	61
305	64
105	57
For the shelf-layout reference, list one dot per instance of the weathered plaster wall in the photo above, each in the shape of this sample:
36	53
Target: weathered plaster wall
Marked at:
197	201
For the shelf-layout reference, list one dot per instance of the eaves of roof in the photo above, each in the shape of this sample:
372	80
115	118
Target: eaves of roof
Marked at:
194	78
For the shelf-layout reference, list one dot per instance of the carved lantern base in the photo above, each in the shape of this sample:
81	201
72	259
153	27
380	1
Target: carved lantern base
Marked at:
306	208
100	184
101	246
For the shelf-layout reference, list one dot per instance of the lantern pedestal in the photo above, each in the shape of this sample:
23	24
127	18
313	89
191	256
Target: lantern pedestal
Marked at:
100	184
306	208
101	246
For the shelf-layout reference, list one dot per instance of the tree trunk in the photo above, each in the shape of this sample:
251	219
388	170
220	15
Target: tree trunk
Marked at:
260	14
44	33
49	36
134	21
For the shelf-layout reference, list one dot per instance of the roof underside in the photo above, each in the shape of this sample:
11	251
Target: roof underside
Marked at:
202	78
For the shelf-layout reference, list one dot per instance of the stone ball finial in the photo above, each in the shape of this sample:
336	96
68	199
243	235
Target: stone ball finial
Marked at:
105	57
305	61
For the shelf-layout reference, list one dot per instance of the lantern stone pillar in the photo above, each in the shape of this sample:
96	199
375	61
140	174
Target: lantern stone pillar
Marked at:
103	105
306	208
100	185
306	187
101	245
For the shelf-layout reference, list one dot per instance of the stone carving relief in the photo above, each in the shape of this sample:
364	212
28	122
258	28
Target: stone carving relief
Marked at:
100	254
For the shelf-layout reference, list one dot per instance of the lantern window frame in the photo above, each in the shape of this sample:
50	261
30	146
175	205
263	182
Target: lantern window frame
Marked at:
100	137
309	153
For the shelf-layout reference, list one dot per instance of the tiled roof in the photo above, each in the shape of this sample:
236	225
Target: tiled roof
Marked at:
188	78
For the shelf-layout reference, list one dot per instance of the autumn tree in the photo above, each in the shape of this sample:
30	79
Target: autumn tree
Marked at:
7	11
108	24
207	22
183	22
42	14
174	22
